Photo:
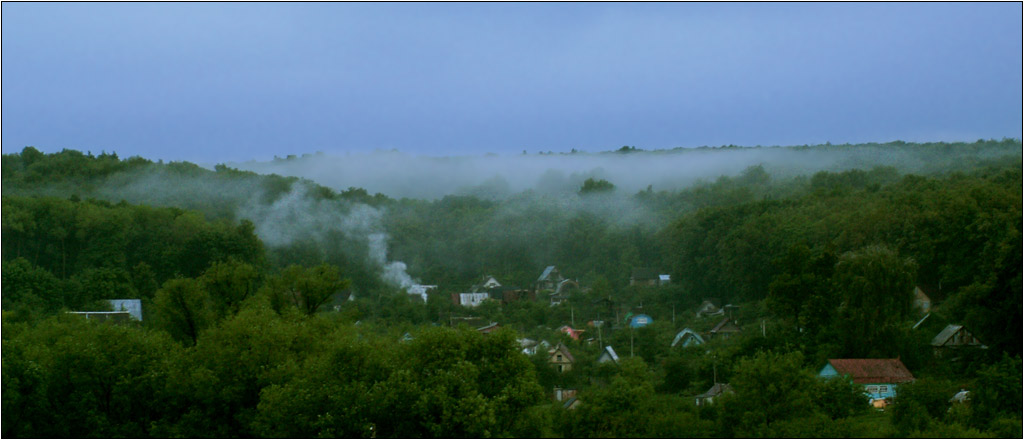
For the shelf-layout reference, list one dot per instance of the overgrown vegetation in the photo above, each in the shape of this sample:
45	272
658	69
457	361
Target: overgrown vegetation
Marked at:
273	306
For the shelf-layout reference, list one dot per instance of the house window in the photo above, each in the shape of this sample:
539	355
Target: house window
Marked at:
560	368
559	358
882	389
871	389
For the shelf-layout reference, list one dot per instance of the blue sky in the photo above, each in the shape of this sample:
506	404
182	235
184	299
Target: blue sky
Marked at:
212	82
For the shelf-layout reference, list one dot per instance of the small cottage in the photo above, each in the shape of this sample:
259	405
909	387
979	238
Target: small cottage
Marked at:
490	283
560	358
714	392
687	338
608	355
549	279
469	299
880	377
709	308
573	333
955	337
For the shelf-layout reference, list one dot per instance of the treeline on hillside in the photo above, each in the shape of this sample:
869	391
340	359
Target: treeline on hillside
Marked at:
266	311
70	254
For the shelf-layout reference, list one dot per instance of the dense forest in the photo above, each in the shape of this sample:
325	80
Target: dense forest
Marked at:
274	306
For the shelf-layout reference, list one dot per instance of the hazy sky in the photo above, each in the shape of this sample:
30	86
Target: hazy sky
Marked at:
211	82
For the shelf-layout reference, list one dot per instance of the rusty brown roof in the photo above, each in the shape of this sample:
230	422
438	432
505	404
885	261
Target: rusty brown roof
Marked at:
873	370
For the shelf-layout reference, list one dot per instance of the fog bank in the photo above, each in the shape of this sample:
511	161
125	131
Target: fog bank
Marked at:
400	175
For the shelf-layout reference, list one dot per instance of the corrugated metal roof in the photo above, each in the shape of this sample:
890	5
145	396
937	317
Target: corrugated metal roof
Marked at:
946	333
547	272
863	371
725	326
682	334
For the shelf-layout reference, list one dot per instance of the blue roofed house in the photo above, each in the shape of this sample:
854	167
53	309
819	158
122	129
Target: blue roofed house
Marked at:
880	377
687	338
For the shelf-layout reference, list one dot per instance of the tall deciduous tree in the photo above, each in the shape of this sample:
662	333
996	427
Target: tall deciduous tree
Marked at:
876	286
183	309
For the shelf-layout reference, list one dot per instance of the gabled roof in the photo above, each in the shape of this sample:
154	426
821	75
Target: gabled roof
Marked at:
717	390
863	371
568	403
686	331
611	354
564	350
945	334
713	301
546	273
926	315
725	326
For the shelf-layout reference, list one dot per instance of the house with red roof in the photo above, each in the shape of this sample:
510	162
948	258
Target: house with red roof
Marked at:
880	377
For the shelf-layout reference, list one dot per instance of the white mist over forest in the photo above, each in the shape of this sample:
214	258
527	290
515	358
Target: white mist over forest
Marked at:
399	175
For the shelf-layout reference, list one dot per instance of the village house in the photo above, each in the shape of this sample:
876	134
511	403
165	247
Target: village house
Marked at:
709	308
687	338
573	333
549	279
954	338
469	299
880	377
490	283
712	393
560	358
608	355
724	329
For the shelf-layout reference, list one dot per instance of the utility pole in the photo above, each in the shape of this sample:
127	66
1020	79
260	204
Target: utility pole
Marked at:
673	313
630	341
572	317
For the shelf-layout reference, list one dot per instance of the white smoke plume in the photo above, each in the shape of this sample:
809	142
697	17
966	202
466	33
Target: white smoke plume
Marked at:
295	217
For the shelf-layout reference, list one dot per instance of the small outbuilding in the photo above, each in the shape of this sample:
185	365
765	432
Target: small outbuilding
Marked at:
608	355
